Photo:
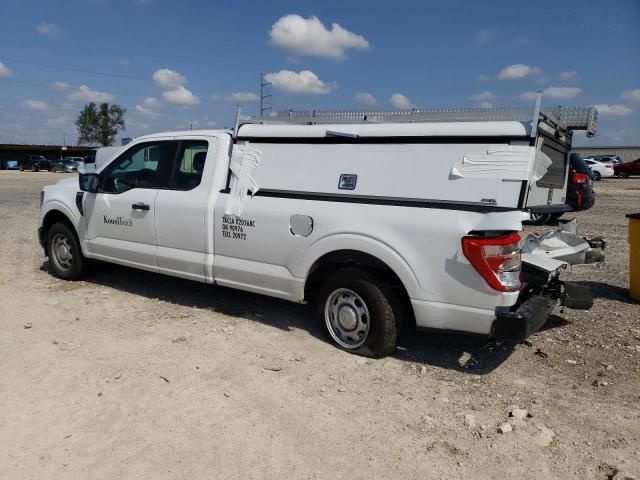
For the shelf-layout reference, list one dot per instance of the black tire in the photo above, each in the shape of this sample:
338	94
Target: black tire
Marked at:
624	174
21	168
65	255
539	219
35	169
359	290
596	176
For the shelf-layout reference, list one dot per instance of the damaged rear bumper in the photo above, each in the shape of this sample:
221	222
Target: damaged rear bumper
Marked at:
529	315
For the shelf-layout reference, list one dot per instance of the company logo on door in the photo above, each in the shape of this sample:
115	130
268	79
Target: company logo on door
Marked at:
118	221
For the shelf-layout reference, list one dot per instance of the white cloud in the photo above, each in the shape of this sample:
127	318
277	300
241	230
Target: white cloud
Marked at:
309	36
561	93
366	98
483	97
304	81
60	86
485	36
59	122
631	95
5	72
401	102
169	79
35	105
613	110
568	75
180	95
152	102
48	29
85	94
147	112
238	97
518	71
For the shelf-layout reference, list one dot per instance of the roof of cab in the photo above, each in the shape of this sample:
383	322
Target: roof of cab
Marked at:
418	129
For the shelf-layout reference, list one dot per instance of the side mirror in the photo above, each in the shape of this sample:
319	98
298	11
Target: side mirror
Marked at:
88	182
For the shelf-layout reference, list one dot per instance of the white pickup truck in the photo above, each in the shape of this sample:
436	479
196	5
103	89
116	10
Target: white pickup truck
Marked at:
380	219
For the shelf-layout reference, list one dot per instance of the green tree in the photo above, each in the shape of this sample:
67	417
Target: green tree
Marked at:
99	125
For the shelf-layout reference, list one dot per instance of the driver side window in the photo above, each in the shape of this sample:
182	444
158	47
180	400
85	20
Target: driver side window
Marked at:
146	165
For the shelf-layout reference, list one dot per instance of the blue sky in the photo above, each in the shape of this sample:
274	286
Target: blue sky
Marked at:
171	64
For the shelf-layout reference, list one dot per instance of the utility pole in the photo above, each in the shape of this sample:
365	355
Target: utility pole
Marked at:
264	95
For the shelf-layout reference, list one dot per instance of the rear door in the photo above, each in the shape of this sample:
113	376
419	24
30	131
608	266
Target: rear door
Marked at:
181	209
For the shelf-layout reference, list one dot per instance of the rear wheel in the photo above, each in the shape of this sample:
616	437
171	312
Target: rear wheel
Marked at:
596	176
624	174
360	311
65	256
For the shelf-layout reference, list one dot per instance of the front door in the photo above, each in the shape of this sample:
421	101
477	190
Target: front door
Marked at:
120	218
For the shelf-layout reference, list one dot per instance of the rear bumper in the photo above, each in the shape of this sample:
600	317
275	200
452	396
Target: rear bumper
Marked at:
529	316
525	319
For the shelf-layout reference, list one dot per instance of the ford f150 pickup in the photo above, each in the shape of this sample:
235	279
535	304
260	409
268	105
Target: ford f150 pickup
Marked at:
379	219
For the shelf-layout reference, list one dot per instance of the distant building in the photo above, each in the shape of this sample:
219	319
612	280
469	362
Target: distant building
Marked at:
11	154
626	154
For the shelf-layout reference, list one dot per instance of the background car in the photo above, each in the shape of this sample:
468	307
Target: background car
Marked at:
64	165
625	170
599	170
580	194
613	159
35	163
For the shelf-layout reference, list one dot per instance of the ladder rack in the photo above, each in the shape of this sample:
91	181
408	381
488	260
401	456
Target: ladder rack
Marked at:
565	118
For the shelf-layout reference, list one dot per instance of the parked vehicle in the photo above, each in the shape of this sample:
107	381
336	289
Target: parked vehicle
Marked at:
35	163
64	165
613	159
409	220
599	170
580	194
625	170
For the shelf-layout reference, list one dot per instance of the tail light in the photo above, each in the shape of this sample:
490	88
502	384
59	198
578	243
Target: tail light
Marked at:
496	259
579	178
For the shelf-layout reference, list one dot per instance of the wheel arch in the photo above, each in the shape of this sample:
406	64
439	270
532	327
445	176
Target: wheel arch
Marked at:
55	215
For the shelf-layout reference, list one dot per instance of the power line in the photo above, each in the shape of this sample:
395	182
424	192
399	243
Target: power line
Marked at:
50	86
73	69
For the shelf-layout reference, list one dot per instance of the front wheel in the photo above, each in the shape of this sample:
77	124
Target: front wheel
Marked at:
65	256
361	312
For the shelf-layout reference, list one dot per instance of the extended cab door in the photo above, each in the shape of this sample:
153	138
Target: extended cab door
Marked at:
181	209
120	218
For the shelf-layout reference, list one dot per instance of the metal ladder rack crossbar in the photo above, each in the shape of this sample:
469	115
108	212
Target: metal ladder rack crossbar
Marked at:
565	118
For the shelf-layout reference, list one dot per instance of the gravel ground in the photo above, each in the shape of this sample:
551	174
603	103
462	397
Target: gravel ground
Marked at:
133	375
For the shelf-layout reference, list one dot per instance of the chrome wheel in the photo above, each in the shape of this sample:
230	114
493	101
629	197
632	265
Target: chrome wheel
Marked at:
347	318
61	252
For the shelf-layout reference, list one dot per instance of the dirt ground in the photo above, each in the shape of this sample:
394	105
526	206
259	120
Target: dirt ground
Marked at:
134	375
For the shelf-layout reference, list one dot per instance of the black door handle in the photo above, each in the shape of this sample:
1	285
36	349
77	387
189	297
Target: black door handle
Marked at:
140	206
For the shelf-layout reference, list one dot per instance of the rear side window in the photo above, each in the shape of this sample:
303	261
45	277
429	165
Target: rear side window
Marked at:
555	176
190	160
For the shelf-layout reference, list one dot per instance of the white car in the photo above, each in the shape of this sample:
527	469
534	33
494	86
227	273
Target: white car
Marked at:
378	224
600	169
